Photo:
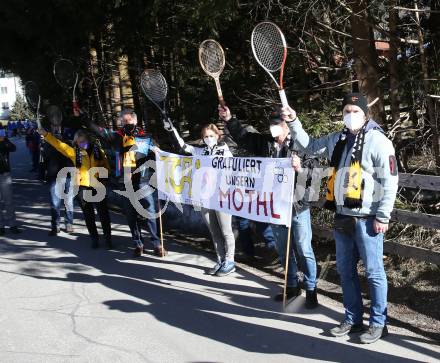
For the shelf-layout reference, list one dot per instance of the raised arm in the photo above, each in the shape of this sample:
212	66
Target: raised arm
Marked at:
251	141
185	147
108	137
60	146
319	147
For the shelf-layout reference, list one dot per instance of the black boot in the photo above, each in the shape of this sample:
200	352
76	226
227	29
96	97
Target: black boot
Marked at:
311	299
291	294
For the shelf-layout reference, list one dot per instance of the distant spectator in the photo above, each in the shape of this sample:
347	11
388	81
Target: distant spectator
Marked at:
33	144
7	211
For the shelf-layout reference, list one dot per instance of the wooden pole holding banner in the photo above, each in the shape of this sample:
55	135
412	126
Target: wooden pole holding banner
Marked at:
160	226
286	266
289	232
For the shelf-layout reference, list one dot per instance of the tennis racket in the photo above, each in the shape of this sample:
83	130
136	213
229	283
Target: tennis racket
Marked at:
270	51
212	61
33	99
155	88
67	77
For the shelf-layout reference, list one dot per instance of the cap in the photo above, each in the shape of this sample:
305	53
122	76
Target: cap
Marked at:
356	99
275	116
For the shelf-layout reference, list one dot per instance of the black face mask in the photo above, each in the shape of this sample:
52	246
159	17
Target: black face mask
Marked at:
129	129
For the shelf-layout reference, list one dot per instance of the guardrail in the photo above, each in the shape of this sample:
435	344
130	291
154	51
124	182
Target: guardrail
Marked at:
413	181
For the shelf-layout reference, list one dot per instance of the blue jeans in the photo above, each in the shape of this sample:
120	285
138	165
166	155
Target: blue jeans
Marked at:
245	235
363	243
301	239
55	202
149	204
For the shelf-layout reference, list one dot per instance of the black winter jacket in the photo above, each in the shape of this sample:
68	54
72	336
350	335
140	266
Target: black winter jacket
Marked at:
263	145
53	162
5	148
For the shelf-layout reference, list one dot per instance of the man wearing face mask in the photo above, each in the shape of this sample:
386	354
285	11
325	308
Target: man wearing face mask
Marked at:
362	190
133	148
7	212
279	144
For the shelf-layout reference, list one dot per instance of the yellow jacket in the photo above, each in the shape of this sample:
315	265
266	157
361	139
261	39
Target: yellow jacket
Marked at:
87	161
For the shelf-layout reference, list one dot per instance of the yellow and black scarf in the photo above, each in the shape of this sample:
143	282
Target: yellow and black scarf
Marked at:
353	178
95	149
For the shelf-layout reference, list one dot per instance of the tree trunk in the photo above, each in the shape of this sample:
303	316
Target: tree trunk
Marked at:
116	97
94	74
394	72
426	86
125	82
366	59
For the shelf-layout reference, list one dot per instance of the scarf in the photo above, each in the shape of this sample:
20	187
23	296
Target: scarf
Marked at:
353	178
78	155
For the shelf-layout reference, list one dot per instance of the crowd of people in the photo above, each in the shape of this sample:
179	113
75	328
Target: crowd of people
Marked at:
361	191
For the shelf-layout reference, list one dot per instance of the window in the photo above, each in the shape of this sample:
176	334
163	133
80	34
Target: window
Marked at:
3	90
5	105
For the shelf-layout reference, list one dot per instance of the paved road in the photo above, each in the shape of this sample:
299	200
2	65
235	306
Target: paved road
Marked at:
60	301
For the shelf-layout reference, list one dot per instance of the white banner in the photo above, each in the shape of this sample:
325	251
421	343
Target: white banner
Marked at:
260	189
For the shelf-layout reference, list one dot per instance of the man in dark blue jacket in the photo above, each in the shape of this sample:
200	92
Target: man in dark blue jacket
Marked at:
279	144
133	149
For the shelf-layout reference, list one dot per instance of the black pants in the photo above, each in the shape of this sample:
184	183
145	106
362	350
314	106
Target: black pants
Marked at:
89	215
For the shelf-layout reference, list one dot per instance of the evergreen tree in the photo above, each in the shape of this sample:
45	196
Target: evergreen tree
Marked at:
20	110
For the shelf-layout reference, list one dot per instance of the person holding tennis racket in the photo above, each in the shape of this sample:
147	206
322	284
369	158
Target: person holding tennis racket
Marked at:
52	163
134	148
219	223
86	155
361	190
279	144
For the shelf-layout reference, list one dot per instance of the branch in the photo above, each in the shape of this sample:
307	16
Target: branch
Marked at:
426	10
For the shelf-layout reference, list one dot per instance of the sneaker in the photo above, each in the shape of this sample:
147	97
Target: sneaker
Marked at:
160	252
213	270
15	230
311	299
226	269
2	231
346	328
291	293
373	334
69	228
54	231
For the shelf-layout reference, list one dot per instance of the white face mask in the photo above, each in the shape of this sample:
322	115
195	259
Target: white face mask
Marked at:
210	141
276	130
354	120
